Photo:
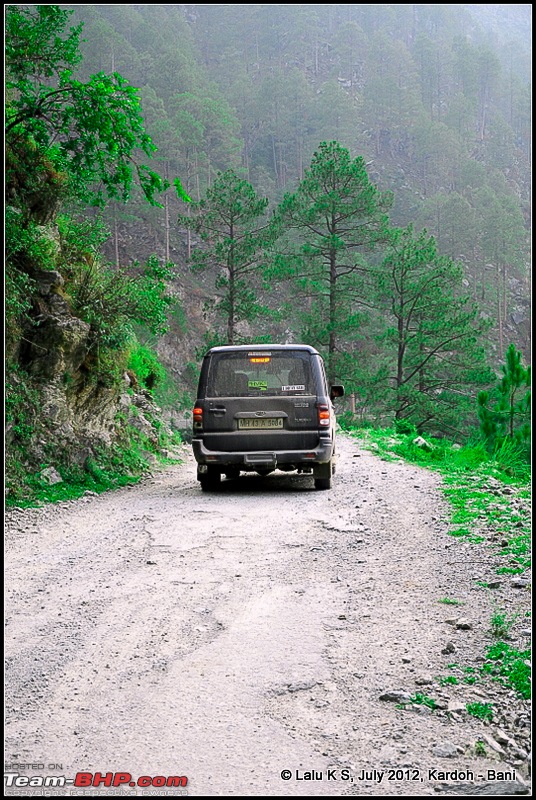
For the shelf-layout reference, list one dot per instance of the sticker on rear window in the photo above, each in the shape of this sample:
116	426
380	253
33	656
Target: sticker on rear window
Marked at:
263	385
297	388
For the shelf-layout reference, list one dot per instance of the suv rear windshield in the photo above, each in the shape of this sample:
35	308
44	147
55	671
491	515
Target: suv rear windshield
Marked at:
253	373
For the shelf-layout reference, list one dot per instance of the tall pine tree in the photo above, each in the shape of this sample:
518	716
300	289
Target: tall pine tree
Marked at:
336	217
509	417
231	221
433	334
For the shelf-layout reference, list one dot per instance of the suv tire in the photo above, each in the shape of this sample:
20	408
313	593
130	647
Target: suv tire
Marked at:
209	480
322	476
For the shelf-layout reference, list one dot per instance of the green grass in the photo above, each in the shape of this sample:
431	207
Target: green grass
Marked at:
445	680
419	699
450	601
502	623
470	676
509	666
472	482
480	710
109	468
480	749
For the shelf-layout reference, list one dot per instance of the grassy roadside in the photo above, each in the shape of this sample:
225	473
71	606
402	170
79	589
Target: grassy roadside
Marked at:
126	462
489	500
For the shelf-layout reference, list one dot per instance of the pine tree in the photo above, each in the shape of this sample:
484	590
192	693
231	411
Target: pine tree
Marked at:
337	216
509	417
433	334
231	220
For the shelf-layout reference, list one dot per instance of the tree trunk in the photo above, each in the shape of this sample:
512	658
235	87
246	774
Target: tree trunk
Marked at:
332	315
197	186
274	155
512	401
231	313
116	239
166	218
505	294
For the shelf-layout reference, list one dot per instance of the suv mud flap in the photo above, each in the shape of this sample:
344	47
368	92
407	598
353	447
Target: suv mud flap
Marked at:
265	460
322	471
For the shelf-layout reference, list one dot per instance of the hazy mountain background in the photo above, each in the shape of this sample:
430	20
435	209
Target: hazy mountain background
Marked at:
436	98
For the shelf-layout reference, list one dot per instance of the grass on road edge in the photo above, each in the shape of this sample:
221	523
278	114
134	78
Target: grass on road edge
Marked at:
490	505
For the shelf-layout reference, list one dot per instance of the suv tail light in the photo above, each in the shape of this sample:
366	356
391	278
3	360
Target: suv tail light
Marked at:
198	418
323	414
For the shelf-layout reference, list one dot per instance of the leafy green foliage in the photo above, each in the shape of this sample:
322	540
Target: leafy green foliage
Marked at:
509	666
216	89
19	284
92	129
22	405
112	300
144	362
34	43
420	699
448	680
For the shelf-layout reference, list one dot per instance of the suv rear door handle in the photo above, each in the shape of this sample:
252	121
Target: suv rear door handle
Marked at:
218	410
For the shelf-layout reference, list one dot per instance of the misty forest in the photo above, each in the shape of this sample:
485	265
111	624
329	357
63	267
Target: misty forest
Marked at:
352	177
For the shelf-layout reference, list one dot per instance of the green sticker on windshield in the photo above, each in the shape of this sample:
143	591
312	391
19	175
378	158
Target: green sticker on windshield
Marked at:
263	385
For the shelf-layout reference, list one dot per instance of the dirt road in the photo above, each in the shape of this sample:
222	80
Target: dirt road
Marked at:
227	637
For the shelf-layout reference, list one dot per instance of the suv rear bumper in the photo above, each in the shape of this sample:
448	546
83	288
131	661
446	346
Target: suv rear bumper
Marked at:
250	460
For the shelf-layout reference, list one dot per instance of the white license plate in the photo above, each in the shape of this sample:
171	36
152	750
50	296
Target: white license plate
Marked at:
261	423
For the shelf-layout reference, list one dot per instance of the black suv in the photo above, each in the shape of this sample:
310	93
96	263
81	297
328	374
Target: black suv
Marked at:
262	407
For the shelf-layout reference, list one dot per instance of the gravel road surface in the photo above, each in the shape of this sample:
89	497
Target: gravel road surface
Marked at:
226	637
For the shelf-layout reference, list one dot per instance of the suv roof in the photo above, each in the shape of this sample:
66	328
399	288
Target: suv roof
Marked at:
244	347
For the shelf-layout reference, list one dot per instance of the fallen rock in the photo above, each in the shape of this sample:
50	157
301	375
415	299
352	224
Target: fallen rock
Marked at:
301	686
396	696
455	706
502	737
445	750
464	625
520	583
424	680
492	743
423	444
50	476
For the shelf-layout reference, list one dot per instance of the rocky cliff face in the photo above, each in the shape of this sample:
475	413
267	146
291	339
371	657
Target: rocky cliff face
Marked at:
78	414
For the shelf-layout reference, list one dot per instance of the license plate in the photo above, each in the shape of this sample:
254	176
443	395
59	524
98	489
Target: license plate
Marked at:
268	422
